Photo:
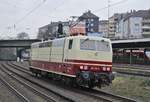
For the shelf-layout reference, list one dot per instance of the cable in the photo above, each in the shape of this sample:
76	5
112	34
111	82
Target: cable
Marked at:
11	4
30	12
77	22
62	3
114	4
34	10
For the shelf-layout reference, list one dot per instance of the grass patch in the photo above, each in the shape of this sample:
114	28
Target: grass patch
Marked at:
133	87
146	83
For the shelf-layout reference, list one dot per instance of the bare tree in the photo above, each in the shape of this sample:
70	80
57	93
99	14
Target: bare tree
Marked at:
22	35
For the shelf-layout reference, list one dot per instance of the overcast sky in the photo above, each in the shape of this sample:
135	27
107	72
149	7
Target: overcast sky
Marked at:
29	15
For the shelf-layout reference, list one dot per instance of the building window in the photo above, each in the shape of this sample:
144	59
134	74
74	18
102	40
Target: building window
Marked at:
137	25
92	30
92	24
137	28
92	20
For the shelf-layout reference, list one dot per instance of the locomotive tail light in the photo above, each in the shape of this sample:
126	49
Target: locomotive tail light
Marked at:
108	68
81	67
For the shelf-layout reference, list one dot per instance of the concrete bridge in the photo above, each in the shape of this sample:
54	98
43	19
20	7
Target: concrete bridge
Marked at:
17	43
15	48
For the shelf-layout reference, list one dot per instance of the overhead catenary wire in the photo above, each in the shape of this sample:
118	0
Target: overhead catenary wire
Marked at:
11	4
30	12
54	9
26	15
110	5
98	10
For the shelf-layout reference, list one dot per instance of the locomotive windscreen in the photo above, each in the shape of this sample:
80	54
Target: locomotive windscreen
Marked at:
94	45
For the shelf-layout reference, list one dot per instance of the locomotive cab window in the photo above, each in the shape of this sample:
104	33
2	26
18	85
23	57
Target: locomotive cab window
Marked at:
70	44
94	45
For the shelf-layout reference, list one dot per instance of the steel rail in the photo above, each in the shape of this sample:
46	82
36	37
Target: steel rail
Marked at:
16	92
58	94
48	98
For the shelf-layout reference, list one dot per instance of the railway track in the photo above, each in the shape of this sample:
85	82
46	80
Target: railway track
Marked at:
39	93
134	74
99	95
48	98
12	89
140	67
130	71
105	96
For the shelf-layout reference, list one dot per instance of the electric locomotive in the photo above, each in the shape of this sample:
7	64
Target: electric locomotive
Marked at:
80	60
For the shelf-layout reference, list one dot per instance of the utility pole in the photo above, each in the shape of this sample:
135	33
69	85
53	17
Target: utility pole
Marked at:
108	18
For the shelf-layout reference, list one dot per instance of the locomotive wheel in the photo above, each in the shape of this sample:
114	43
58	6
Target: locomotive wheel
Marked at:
104	81
79	80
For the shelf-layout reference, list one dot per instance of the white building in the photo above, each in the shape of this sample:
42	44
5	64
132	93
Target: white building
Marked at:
133	25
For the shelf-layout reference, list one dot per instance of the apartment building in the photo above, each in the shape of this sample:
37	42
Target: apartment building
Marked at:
103	27
135	24
91	21
50	31
112	21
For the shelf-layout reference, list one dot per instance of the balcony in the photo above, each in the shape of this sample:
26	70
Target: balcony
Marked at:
146	33
145	27
146	21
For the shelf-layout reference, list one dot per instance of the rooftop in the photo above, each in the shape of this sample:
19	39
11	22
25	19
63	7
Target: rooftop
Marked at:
88	14
139	13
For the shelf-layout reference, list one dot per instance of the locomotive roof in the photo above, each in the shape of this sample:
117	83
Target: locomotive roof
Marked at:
73	37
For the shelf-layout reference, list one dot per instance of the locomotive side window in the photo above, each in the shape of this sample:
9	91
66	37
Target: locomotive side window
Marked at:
58	43
35	46
49	44
70	44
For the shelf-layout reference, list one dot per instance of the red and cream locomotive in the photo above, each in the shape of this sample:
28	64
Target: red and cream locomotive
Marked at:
83	60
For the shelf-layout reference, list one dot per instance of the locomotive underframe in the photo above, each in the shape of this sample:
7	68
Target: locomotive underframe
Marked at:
91	79
83	78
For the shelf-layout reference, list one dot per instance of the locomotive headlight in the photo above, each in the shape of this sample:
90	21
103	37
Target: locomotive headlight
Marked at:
81	67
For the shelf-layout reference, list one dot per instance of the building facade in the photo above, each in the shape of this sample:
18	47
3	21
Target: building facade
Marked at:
135	24
112	22
91	21
50	31
103	27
